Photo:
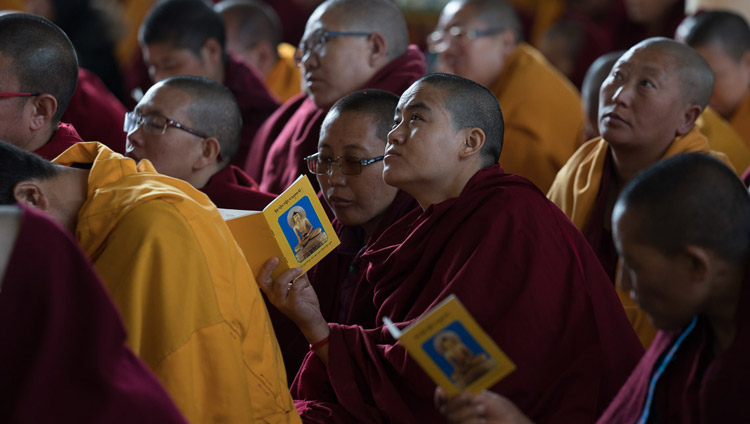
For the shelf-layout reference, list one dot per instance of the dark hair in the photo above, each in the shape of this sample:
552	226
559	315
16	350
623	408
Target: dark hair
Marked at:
726	29
472	105
184	24
42	57
257	20
496	14
18	165
213	110
690	199
378	104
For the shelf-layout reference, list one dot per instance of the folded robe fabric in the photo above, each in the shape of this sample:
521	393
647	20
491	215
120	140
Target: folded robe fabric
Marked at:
526	275
64	357
65	136
231	188
292	133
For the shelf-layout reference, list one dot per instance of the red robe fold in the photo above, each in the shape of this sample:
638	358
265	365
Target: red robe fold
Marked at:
292	133
96	113
65	136
231	188
696	387
334	279
255	101
64	358
522	270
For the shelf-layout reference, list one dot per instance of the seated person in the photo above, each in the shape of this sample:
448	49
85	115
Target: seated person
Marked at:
187	297
494	241
254	35
186	37
39	71
648	106
480	40
200	148
349	169
348	45
683	230
64	357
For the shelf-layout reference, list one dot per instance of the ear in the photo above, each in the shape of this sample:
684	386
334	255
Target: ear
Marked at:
701	269
745	64
43	109
210	154
378	49
265	55
508	43
472	143
212	52
31	194
688	119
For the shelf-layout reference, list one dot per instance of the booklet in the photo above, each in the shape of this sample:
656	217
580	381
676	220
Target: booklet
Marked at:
453	349
294	228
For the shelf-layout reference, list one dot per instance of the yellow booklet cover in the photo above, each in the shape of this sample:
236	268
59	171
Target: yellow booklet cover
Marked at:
294	228
453	349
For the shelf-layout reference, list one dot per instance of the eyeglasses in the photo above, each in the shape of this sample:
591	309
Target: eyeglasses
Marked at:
9	95
154	124
349	165
316	43
439	40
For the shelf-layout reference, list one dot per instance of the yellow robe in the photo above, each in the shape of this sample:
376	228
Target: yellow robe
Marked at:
284	78
723	138
189	301
543	117
741	120
577	185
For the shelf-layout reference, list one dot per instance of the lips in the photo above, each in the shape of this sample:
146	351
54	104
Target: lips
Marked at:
615	118
339	202
131	155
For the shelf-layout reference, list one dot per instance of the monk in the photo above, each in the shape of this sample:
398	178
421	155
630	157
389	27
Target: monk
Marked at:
189	127
36	92
349	169
254	35
721	136
723	39
187	297
186	37
683	231
64	357
348	45
648	106
474	228
480	40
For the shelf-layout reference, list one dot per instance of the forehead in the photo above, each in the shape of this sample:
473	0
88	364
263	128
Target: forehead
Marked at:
649	59
161	50
352	129
163	99
424	96
325	19
456	13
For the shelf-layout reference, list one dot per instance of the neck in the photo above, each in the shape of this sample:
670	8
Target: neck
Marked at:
630	161
370	227
39	138
721	309
433	192
67	194
202	177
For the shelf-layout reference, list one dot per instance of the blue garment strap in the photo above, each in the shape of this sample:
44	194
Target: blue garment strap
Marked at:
660	370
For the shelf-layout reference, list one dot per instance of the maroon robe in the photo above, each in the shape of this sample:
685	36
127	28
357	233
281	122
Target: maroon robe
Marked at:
522	270
291	134
65	136
231	188
63	357
334	279
696	387
96	113
255	101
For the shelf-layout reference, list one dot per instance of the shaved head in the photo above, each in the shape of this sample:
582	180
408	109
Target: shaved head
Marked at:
696	76
17	165
377	104
42	57
381	16
728	30
213	110
256	21
472	105
494	13
592	82
689	200
183	24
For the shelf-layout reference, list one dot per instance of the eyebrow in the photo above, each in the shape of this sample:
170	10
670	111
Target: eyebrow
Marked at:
346	147
415	106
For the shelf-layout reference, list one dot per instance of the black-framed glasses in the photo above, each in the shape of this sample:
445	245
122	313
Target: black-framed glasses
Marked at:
316	43
155	124
9	95
439	40
349	165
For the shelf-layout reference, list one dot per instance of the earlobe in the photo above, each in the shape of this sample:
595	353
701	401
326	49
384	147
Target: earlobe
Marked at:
44	108
31	194
472	143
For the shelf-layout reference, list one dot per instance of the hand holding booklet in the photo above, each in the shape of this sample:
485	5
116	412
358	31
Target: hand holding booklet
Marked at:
453	349
294	228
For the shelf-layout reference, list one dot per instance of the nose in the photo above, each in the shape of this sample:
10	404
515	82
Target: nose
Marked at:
396	136
622	94
310	60
134	138
335	176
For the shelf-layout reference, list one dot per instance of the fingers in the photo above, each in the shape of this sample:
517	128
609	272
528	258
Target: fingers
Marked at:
264	275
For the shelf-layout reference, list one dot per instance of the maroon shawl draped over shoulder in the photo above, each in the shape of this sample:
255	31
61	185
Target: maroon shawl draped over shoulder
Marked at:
64	357
696	387
65	136
328	277
96	113
292	133
231	188
255	101
528	277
